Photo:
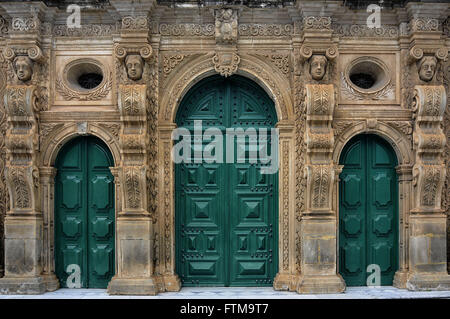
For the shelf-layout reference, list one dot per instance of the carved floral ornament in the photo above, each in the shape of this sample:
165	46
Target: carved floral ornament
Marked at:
226	63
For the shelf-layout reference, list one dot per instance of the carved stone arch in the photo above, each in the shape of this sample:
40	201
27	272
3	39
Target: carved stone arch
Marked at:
60	137
278	87
268	77
398	141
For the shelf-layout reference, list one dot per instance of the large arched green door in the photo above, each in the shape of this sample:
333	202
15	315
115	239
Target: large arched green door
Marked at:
226	213
368	210
84	213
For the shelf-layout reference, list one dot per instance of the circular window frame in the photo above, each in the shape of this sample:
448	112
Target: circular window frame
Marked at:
385	81
68	87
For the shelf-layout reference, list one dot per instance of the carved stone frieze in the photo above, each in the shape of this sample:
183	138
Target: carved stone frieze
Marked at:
133	23
3	26
86	30
317	23
423	24
362	31
188	29
25	24
265	30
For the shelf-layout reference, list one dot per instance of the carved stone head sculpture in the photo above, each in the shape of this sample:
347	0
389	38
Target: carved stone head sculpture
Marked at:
135	66
23	67
318	66
427	68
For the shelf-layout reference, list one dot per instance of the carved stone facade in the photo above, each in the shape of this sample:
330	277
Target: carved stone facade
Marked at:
330	78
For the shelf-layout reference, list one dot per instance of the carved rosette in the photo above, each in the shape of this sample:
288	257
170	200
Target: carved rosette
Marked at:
429	171
319	137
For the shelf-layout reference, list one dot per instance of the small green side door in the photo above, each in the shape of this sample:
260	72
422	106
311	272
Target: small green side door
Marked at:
368	210
84	212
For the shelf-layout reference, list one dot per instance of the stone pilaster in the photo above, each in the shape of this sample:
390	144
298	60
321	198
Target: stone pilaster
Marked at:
318	221
169	280
427	242
47	175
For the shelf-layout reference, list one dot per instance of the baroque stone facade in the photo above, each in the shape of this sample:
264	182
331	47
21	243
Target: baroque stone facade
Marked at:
313	59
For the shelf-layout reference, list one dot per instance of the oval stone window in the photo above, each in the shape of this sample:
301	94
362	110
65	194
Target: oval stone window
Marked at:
83	75
368	74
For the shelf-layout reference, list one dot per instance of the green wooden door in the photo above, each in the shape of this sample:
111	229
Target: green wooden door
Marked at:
84	212
368	210
226	213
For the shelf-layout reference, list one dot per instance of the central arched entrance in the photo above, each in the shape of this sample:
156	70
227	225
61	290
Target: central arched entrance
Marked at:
226	212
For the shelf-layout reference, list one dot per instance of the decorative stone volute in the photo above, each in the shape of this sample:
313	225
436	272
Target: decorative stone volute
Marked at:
429	141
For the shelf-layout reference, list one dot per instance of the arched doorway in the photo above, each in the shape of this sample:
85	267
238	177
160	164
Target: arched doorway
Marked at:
226	212
84	213
368	211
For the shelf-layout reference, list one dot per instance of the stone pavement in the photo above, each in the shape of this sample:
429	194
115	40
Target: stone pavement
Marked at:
241	293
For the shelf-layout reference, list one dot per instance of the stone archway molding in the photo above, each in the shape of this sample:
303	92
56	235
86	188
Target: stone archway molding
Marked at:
278	88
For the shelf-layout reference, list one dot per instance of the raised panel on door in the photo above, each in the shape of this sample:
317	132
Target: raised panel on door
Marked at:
225	224
84	212
70	208
352	216
368	209
382	209
100	214
200	235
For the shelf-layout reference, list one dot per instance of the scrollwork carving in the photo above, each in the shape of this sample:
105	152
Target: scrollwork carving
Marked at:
226	63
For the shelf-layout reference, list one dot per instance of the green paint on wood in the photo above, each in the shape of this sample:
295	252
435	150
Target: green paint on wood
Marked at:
84	212
368	210
226	213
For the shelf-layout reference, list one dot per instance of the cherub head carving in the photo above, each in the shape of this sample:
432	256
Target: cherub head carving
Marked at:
135	66
427	68
318	66
23	67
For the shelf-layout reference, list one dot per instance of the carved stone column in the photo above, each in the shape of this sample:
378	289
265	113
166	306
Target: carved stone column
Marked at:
289	228
134	245
47	175
404	173
23	223
427	242
318	221
165	251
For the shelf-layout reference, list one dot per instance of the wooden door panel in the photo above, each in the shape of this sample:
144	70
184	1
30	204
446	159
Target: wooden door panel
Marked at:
225	212
368	210
84	212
